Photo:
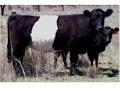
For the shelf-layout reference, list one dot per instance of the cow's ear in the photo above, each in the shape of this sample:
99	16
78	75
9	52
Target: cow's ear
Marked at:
108	12
87	13
115	30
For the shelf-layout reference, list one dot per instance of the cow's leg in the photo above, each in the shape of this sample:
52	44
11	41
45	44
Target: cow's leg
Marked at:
91	58
96	61
19	52
73	59
19	70
92	69
17	60
64	56
56	55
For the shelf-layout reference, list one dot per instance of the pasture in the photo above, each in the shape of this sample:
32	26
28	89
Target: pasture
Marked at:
39	58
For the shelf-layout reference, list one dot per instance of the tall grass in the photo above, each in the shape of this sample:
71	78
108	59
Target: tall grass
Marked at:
36	58
38	63
7	72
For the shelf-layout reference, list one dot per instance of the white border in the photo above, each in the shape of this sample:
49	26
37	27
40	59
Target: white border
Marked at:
119	44
60	86
60	2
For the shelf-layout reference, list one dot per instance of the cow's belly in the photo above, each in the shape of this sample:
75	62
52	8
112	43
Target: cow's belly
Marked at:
45	28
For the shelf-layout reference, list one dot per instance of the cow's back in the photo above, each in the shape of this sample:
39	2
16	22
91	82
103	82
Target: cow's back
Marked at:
19	29
72	28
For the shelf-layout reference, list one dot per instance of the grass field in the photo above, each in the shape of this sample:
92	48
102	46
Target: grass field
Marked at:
38	62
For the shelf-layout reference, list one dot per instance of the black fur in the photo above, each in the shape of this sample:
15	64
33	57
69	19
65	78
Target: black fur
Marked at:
19	29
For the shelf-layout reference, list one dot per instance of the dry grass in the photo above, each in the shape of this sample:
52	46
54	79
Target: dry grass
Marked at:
3	26
35	60
42	62
38	63
6	70
40	58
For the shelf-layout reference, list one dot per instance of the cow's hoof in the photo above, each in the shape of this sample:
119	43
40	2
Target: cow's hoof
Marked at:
79	72
75	71
66	67
71	74
72	71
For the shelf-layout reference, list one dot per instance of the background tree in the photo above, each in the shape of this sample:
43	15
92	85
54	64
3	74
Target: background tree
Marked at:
37	7
63	7
2	9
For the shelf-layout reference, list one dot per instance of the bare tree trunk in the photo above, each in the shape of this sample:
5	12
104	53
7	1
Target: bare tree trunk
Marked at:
38	7
63	7
2	9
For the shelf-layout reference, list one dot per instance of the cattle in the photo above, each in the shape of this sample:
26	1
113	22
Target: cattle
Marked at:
101	40
19	30
76	33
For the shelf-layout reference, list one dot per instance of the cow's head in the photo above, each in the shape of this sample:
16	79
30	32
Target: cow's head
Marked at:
104	36
107	33
97	17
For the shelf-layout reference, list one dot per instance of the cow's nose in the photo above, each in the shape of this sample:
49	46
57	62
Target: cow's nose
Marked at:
99	28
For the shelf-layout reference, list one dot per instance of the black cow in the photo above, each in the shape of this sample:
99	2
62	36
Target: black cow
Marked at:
19	29
76	33
101	40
